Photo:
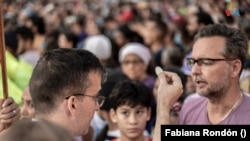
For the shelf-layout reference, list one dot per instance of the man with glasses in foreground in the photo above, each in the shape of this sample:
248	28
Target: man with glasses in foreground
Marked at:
217	59
64	88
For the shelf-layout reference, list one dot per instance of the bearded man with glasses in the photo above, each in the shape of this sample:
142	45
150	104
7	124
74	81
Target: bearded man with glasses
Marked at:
216	63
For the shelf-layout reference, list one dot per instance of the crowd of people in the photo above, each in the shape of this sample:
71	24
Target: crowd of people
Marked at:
88	66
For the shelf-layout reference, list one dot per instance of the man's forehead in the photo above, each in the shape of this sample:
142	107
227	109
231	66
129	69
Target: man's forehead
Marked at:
208	46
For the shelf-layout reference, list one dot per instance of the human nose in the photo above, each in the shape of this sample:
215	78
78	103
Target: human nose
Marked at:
196	68
132	119
24	110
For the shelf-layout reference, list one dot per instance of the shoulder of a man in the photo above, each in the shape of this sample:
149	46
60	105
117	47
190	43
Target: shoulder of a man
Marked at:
191	107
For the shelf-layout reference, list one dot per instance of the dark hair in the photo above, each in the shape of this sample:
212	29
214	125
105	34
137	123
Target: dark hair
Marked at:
173	56
130	35
204	18
11	40
25	33
51	40
81	20
236	45
59	70
42	130
112	78
39	23
71	37
132	93
161	26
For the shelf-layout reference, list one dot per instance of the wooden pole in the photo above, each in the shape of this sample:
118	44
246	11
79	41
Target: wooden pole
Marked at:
2	54
2	57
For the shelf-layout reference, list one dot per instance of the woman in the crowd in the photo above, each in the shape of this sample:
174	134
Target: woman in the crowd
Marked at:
135	59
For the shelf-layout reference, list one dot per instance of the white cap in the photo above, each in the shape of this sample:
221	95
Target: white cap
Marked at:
99	45
135	48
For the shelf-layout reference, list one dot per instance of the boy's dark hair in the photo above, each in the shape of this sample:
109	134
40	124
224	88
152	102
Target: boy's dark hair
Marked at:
131	93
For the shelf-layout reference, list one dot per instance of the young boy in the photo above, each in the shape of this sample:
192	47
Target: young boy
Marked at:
130	109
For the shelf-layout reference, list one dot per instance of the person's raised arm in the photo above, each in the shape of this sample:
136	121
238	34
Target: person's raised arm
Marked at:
169	90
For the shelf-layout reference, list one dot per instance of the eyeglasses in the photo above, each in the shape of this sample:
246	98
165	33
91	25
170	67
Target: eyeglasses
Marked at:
134	62
98	99
204	61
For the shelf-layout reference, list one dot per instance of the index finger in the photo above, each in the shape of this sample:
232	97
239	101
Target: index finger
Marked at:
7	102
1	102
169	77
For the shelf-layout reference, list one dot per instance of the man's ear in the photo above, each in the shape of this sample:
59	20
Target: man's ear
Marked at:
112	115
71	105
236	68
